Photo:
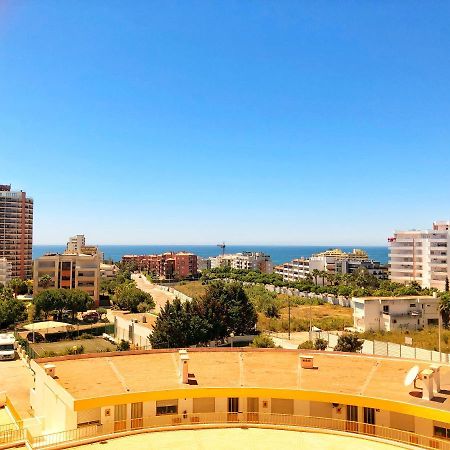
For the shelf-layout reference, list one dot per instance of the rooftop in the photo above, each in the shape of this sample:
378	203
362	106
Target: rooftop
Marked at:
404	297
157	370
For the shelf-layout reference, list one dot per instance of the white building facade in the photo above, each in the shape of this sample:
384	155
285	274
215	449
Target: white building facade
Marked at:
395	313
244	260
421	256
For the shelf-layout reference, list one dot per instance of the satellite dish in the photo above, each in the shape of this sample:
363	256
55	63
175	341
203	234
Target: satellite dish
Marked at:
411	375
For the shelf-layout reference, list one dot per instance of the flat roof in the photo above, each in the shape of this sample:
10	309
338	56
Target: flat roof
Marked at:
157	370
404	297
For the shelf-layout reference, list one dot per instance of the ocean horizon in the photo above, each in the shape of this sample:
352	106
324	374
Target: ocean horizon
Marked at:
278	253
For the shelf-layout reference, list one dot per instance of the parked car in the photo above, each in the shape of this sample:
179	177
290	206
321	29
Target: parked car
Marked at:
91	316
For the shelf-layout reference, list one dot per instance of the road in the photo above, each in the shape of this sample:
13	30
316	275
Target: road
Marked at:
159	296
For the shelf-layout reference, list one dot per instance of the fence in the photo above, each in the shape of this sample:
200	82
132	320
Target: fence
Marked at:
220	420
390	349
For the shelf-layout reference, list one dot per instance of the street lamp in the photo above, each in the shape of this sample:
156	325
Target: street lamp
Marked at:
232	339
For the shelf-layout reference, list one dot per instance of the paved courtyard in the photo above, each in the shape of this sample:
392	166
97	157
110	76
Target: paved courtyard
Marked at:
238	438
16	379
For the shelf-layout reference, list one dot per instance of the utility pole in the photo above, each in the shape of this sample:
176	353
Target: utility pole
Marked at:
289	318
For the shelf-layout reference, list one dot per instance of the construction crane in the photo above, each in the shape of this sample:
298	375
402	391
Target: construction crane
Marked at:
222	246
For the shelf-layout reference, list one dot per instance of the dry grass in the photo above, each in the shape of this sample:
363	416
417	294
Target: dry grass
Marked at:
191	288
427	338
327	317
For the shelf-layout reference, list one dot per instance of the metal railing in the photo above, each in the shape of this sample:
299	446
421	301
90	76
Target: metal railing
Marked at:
219	420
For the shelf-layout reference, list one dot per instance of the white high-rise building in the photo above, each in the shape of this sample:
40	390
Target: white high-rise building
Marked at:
244	260
76	243
421	256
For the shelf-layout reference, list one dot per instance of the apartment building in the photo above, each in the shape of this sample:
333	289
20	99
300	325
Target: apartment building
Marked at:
395	313
72	269
421	256
5	271
331	261
169	265
16	231
288	389
244	260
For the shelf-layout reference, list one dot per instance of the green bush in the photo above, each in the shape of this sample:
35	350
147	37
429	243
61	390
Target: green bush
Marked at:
307	345
320	344
123	346
263	341
86	336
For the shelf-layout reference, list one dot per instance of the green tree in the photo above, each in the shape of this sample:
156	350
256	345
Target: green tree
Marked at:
45	281
47	301
18	286
348	342
444	308
127	297
316	274
11	309
263	341
76	300
242	316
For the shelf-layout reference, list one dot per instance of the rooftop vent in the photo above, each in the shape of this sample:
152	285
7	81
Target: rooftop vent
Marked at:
307	362
184	369
50	370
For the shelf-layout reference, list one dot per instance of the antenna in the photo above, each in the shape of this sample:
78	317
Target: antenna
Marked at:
411	376
222	246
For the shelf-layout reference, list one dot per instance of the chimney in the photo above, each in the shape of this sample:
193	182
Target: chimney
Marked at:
184	370
436	376
50	370
427	382
307	362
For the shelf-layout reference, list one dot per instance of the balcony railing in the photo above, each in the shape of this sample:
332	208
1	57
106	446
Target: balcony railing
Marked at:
92	433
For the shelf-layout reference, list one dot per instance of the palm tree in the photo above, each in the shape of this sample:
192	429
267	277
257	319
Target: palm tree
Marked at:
316	274
323	275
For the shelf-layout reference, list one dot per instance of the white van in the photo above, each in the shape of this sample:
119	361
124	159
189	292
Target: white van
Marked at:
7	346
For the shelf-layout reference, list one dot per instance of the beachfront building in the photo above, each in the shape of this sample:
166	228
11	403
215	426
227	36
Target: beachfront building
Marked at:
171	388
421	256
5	271
69	271
203	263
258	261
169	265
16	231
395	313
331	261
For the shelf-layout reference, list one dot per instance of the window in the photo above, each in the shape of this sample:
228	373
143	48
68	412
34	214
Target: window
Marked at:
166	407
386	309
442	432
233	405
369	416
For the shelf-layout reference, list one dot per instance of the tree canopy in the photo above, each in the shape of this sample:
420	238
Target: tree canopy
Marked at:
11	309
224	309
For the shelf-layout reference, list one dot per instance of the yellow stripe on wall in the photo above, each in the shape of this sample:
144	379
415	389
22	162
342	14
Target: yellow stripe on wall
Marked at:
317	396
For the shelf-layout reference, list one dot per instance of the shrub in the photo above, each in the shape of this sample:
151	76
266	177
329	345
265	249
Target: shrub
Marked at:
86	336
348	342
143	307
320	344
123	346
75	350
263	341
307	345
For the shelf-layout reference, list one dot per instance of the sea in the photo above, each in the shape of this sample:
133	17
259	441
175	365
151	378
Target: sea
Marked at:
278	253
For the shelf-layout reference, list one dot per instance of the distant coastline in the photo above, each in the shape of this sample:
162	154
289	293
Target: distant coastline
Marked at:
279	253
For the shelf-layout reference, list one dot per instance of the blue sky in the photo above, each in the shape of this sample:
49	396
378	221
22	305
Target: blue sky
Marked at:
253	122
